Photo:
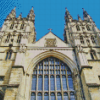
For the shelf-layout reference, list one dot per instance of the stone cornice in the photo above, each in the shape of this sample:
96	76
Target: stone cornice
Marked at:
13	85
9	85
94	60
93	85
18	66
85	66
49	48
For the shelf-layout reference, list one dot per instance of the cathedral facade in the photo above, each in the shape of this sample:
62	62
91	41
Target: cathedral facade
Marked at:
50	68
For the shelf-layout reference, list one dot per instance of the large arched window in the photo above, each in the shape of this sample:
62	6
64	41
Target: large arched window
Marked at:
52	80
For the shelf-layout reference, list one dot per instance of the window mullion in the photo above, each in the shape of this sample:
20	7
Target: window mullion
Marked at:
61	80
49	77
37	82
55	80
43	80
67	85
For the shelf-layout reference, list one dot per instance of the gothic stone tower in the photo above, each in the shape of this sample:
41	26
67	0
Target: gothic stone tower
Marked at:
83	35
50	68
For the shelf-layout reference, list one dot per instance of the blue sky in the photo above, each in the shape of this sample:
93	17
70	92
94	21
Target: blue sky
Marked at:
50	13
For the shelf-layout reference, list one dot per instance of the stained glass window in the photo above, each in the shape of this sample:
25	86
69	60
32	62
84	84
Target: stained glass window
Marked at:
33	96
52	96
46	83
59	97
72	96
46	97
39	96
34	80
40	83
65	96
52	79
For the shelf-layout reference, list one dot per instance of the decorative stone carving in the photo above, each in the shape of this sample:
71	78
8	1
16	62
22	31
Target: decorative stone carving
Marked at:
31	39
25	36
79	48
50	42
22	48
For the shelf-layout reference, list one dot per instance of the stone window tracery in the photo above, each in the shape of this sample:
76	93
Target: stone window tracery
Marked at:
77	27
81	39
22	26
51	75
92	38
88	28
8	38
12	25
19	38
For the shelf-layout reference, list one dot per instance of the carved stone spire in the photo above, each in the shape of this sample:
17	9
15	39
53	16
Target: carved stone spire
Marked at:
86	16
31	15
20	16
12	14
68	17
79	18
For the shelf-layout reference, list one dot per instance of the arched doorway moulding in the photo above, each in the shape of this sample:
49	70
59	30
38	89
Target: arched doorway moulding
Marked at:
55	54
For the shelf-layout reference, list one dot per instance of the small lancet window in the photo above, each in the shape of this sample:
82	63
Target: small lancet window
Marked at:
65	96
52	96
33	96
22	26
12	25
72	96
88	28
88	42
46	96
93	54
39	97
81	39
19	38
92	39
8	54
1	78
77	27
8	37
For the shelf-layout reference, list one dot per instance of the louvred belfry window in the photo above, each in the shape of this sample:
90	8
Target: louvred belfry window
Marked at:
52	80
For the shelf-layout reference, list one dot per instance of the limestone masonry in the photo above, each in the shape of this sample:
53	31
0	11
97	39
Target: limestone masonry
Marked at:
30	69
